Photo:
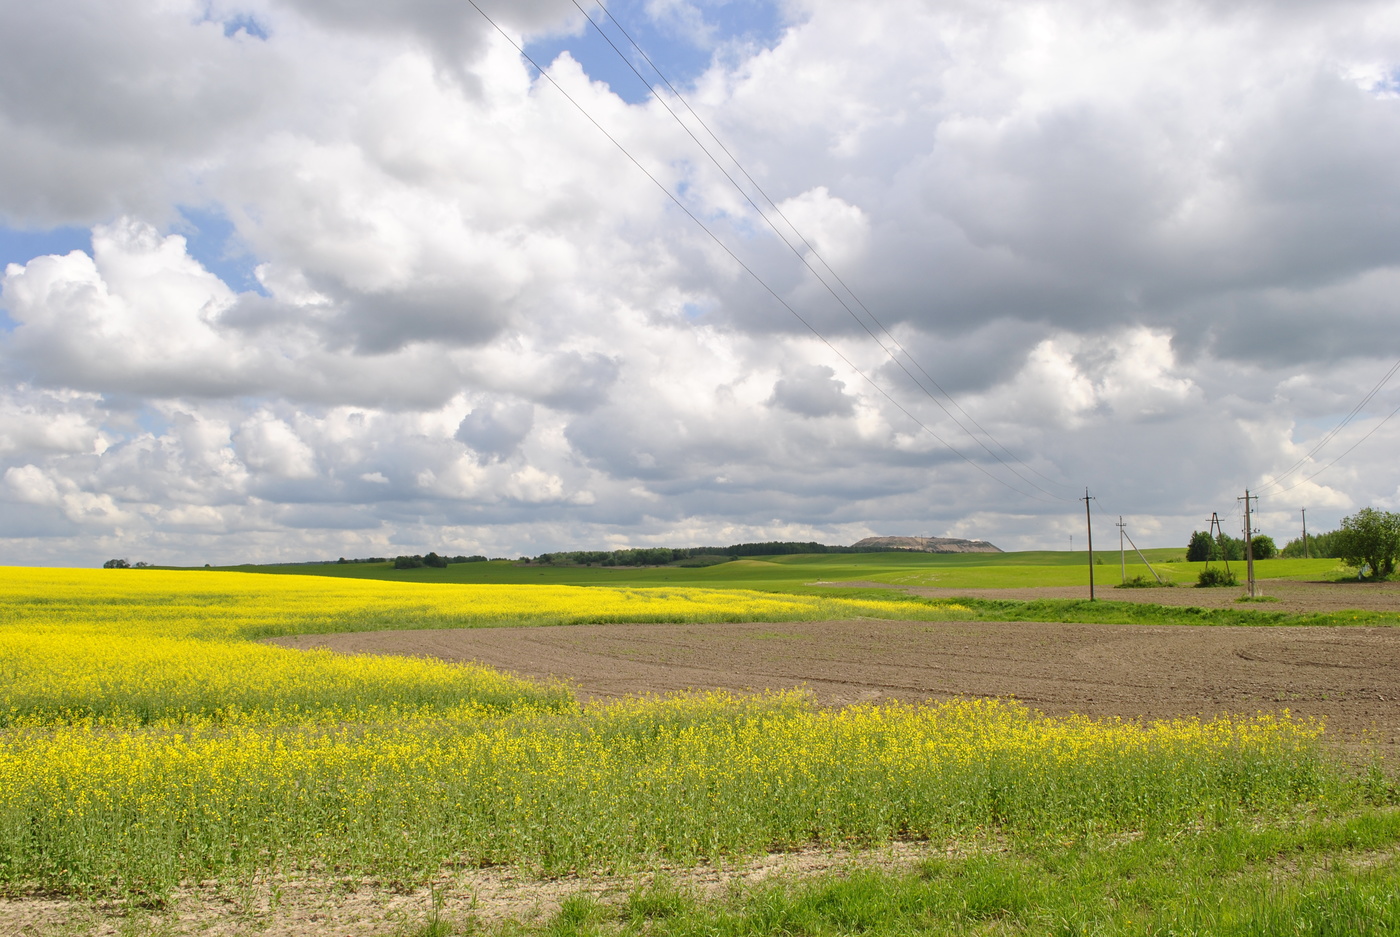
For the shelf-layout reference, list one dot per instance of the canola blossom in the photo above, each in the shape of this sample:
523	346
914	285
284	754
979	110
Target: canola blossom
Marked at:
147	741
677	779
148	646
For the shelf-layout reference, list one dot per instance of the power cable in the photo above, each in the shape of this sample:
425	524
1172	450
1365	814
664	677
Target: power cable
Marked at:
810	247
1339	458
1351	415
746	268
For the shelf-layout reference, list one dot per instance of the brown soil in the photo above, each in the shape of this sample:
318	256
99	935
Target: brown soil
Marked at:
302	905
1350	676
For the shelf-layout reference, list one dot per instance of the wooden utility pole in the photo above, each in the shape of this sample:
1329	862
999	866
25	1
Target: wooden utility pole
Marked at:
1248	540
1305	533
1122	557
1218	530
1089	525
1141	557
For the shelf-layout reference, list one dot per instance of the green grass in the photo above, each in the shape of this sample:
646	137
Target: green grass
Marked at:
1082	611
797	572
1305	876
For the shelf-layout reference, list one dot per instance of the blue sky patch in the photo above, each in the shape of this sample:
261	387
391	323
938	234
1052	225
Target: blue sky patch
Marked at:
18	246
244	23
680	44
211	240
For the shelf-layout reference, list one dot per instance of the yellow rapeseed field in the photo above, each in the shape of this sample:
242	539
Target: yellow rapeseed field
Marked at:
148	645
147	741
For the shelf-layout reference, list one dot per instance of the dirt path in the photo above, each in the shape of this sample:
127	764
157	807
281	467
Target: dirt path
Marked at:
1351	676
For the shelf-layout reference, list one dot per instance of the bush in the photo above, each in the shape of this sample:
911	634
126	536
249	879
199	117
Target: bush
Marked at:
1263	547
1214	576
1142	582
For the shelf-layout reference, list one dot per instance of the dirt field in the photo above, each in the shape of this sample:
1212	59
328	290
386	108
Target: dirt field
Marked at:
1351	676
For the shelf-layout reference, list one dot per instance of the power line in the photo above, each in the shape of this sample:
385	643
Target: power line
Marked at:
749	270
806	243
1351	415
1308	478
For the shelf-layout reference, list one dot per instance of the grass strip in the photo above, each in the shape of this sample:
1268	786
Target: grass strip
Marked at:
1336	876
1082	611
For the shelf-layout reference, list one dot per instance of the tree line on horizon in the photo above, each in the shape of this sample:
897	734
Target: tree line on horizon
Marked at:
664	556
1368	540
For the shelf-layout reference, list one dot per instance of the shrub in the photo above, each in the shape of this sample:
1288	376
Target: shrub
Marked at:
1214	576
1142	582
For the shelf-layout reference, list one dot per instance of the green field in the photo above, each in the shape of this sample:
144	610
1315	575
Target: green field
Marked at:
799	572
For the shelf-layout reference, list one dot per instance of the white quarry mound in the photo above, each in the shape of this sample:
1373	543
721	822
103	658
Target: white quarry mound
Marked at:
928	544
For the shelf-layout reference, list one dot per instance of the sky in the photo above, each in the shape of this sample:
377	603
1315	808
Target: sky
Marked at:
302	279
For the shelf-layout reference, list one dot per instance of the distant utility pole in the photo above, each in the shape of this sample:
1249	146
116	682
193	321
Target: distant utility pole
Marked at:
1305	533
1122	557
1248	540
1089	525
1219	531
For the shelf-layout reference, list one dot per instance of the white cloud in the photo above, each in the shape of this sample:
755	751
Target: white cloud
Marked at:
1125	239
268	444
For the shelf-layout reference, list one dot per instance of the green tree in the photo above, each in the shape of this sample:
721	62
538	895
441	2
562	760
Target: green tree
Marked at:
1371	538
1200	548
1263	547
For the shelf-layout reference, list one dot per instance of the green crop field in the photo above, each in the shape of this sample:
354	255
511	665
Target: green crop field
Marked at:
798	572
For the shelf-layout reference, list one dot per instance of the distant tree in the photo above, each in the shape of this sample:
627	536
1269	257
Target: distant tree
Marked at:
408	562
1371	538
435	561
1325	544
116	564
1263	547
1200	548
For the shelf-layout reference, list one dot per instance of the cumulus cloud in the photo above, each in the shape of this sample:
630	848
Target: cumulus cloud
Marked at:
1141	248
812	392
496	429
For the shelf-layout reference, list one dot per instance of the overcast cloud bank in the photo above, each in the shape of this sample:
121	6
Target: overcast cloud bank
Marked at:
1154	251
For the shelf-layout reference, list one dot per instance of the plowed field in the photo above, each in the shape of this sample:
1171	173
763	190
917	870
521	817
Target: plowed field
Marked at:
1350	676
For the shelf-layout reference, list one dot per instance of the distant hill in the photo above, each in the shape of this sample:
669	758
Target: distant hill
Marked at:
926	545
